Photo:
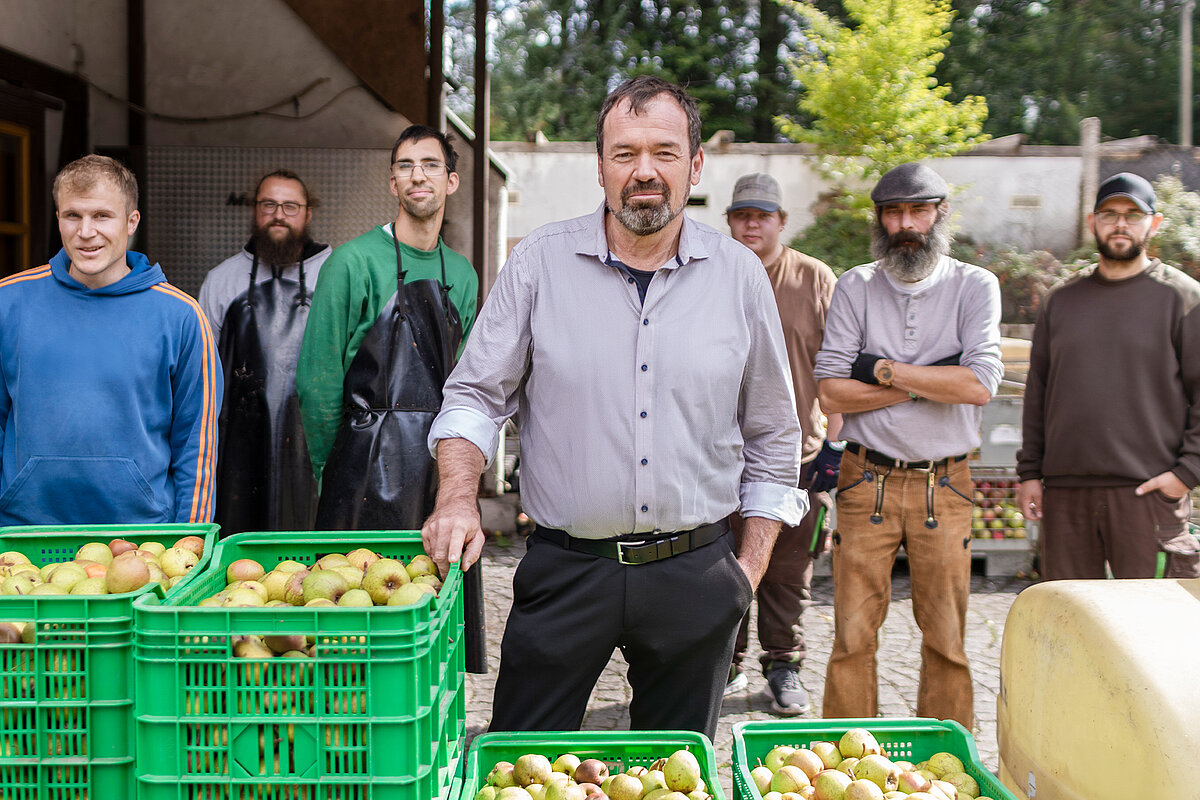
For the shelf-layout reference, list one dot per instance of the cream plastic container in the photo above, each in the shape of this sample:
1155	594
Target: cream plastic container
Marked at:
1100	691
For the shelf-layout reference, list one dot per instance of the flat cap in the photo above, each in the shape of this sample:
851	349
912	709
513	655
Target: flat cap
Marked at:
910	183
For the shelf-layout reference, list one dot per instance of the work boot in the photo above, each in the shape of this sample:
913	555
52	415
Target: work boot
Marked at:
788	697
737	680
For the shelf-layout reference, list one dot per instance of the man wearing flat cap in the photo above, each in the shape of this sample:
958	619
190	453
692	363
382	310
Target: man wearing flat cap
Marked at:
911	352
803	287
1111	441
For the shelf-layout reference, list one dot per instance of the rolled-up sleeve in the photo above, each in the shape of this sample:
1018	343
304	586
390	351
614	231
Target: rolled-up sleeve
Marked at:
770	429
843	331
481	392
980	331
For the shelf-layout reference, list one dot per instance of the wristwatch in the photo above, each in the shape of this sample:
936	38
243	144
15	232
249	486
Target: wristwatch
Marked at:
885	370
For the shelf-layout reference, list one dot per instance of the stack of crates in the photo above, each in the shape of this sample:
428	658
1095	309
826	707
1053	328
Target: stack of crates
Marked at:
376	713
67	691
913	740
1004	539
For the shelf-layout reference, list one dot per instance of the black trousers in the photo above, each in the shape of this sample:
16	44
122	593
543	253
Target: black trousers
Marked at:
675	621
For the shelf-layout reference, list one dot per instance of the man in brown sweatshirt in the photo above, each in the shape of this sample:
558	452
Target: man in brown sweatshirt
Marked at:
1112	405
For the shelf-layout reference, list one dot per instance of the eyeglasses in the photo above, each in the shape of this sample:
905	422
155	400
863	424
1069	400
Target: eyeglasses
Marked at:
1111	217
431	169
289	209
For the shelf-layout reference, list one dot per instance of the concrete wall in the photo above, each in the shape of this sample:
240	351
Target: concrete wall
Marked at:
83	36
217	57
1030	202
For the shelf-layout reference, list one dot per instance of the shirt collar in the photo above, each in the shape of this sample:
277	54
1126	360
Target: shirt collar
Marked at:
595	243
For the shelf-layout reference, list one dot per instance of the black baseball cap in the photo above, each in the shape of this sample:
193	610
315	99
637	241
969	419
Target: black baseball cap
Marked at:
1126	184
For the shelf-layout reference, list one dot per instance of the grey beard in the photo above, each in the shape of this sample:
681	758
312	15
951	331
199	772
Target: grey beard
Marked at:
645	220
905	264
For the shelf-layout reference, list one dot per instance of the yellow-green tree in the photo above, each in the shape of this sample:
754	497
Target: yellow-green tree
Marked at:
870	89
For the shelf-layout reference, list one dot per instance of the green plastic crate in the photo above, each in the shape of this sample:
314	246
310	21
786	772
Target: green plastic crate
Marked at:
378	713
619	749
66	700
914	740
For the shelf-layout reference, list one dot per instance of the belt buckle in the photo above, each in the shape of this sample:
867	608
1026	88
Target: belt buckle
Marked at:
621	552
929	466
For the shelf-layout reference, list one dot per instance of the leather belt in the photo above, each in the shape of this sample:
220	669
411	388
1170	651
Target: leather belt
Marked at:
884	460
654	547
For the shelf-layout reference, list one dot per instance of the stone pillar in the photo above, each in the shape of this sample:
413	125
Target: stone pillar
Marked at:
1089	180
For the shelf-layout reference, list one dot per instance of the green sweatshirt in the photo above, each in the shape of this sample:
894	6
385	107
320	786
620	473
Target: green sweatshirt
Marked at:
355	283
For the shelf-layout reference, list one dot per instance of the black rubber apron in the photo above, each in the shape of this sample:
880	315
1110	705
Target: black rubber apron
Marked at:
264	477
379	475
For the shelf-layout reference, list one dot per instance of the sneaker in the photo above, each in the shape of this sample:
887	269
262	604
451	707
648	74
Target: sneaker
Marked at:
788	697
737	682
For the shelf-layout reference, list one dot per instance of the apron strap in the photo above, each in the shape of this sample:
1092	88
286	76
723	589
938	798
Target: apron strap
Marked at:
253	278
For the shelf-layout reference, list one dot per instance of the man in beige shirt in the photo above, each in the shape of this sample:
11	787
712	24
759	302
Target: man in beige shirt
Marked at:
803	288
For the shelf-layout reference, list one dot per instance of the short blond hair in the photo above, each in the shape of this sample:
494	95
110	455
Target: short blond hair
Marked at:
84	173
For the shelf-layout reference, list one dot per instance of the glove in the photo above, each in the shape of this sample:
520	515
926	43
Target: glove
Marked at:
948	361
863	368
822	472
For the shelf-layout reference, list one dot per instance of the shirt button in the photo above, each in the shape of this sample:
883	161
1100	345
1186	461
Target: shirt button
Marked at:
643	415
645	508
644	462
645	322
630	280
644	367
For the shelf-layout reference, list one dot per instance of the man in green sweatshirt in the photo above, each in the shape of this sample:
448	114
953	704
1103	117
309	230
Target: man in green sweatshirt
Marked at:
1112	405
389	313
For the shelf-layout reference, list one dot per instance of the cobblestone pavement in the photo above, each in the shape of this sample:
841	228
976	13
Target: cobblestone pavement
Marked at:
899	658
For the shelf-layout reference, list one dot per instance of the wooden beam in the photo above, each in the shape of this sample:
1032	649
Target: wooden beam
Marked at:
380	41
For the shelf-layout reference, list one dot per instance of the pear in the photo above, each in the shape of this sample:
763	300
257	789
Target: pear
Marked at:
858	742
324	583
566	763
682	772
941	764
531	768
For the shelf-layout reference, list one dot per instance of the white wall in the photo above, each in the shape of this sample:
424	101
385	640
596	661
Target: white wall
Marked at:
558	180
993	195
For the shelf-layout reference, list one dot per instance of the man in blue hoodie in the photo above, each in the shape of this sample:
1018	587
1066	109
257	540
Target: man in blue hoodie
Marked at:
109	381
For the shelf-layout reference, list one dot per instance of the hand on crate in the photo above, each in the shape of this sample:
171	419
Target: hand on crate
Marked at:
452	532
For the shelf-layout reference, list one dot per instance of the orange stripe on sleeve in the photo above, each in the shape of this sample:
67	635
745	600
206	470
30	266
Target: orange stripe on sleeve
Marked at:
27	275
202	495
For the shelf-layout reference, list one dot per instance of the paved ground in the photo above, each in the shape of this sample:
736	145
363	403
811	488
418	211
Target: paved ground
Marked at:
899	658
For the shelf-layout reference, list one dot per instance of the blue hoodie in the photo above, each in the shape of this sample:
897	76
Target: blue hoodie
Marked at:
108	400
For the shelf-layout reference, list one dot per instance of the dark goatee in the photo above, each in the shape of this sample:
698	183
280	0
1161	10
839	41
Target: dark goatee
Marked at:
902	260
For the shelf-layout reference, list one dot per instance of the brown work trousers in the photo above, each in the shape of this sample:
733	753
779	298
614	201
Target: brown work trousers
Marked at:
929	512
1138	537
784	592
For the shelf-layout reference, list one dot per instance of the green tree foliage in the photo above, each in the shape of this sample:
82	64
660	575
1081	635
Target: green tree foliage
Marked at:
1046	64
555	60
870	87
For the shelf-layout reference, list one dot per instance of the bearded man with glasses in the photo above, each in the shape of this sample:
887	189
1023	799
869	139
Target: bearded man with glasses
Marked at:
390	313
1111	441
257	303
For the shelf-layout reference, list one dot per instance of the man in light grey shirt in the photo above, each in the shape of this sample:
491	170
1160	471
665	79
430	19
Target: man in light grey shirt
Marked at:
645	355
911	352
